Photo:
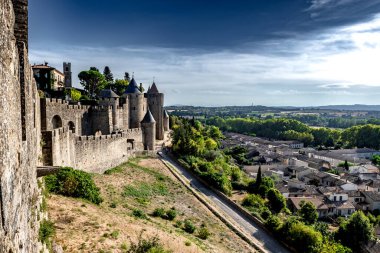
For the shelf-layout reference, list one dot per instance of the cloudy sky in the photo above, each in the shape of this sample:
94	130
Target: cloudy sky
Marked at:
220	52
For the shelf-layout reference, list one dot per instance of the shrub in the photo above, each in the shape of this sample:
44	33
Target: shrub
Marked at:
139	214
274	223
149	245
253	200
113	205
188	226
159	212
203	233
46	231
73	183
171	214
114	234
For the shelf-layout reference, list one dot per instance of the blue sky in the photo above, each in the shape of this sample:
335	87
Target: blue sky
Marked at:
219	52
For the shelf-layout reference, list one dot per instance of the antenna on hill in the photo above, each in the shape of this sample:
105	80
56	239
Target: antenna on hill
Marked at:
133	74
153	78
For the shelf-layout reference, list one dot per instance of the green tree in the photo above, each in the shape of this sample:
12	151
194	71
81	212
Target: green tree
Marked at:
376	159
356	231
92	81
308	212
108	76
276	200
119	86
127	77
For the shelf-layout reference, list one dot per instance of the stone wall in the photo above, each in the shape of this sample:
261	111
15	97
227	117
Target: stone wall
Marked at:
78	114
101	119
90	153
19	135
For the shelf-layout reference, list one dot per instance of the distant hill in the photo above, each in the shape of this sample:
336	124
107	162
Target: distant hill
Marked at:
356	107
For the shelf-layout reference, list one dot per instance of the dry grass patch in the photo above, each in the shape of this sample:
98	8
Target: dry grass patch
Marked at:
143	185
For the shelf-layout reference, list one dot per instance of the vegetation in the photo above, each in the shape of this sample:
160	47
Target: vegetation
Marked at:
189	226
358	226
73	183
149	245
92	81
203	233
197	146
46	232
308	212
289	129
74	94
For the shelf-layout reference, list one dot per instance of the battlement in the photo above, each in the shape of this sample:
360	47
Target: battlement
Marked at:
130	133
60	131
54	102
101	108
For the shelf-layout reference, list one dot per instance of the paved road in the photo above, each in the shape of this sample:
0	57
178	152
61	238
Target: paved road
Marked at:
259	235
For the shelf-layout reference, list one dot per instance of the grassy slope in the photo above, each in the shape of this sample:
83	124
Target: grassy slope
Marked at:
143	184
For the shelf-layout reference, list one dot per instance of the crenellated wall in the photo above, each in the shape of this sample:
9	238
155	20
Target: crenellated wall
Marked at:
90	153
78	114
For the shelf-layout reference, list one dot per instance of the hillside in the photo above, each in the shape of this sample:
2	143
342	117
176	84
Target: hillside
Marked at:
132	191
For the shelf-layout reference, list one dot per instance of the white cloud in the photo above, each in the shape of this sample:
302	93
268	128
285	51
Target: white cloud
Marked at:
310	69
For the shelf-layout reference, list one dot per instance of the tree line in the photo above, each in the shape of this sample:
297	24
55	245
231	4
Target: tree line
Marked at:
93	81
290	129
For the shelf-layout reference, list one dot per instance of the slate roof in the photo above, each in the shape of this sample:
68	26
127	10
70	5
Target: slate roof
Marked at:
153	89
132	87
108	93
375	196
148	118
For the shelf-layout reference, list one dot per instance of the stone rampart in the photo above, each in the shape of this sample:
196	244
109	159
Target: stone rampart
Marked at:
19	134
90	153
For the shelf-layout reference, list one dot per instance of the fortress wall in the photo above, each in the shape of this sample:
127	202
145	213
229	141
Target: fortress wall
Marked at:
97	154
101	119
78	114
19	131
62	147
90	153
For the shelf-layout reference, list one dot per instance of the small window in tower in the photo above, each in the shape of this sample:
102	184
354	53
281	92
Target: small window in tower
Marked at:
67	68
134	108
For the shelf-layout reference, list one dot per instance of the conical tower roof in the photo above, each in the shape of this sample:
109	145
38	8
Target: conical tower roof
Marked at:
148	118
153	89
132	87
108	93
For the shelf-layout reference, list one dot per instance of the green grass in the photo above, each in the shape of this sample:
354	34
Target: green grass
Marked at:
143	190
117	169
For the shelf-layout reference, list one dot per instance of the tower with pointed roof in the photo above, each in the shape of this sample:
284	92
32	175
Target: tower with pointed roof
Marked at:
136	103
148	125
156	104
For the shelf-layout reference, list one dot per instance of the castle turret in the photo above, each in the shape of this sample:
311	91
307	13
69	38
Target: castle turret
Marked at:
166	121
110	98
137	106
148	125
155	104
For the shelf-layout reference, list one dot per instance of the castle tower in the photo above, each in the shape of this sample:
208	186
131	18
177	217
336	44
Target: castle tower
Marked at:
110	98
166	121
155	104
137	105
67	73
148	125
